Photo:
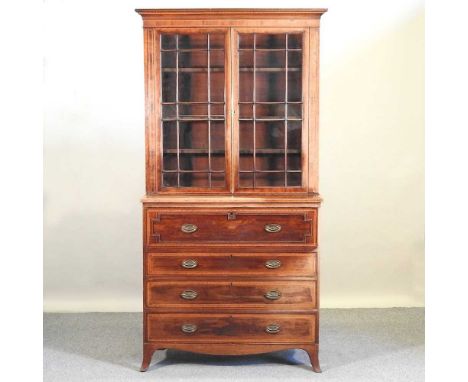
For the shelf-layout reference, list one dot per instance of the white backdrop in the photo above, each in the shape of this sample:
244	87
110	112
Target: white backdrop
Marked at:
371	153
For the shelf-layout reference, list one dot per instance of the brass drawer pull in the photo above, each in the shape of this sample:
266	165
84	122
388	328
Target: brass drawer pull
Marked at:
272	264
273	295
189	328
189	294
188	228
272	228
273	329
189	263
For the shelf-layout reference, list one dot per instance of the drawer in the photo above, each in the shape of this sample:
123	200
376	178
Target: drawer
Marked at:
268	328
242	264
215	226
186	293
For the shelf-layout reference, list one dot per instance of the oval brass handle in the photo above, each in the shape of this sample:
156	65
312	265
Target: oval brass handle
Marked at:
189	263
272	264
273	295
272	228
189	328
273	329
188	228
189	294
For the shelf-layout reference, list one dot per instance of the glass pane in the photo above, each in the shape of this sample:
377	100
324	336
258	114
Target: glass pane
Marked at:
269	162
196	179
246	162
193	110
270	86
270	110
294	135
217	180
294	41
246	86
294	162
168	60
274	179
170	179
169	135
193	41
246	142
294	179
169	161
193	59
193	135
269	135
217	40
193	87
246	41
246	180
270	59
194	162
169	86
217	137
270	41
294	86
168	41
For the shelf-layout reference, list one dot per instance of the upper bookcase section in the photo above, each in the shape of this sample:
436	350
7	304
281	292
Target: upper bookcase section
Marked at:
222	17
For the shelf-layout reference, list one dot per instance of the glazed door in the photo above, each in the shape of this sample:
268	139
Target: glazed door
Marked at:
270	110
194	97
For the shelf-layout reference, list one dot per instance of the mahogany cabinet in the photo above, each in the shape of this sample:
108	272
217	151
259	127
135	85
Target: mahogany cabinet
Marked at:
230	213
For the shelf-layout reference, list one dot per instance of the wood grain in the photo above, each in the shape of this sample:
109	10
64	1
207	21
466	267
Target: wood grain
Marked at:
234	328
230	245
228	265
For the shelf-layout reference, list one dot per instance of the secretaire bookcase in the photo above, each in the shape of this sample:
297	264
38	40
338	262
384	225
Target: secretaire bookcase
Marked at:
230	213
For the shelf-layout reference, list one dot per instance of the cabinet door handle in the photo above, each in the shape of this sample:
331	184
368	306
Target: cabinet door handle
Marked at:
273	329
189	328
272	228
189	263
188	228
272	264
189	294
273	294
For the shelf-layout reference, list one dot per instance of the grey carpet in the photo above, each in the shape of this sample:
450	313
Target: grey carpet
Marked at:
374	345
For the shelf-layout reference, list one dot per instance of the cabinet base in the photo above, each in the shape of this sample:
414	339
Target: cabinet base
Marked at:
229	349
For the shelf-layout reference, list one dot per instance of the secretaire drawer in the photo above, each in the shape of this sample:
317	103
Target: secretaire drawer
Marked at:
195	292
192	327
239	264
215	226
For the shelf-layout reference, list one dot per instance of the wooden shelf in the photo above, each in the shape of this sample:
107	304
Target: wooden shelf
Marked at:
270	171
194	119
268	119
194	50
191	70
270	49
241	152
194	151
245	69
270	151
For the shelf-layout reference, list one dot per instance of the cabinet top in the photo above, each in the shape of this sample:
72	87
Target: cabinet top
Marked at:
226	16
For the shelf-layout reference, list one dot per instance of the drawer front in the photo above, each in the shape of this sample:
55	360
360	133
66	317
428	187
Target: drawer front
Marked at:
166	227
191	327
186	293
259	264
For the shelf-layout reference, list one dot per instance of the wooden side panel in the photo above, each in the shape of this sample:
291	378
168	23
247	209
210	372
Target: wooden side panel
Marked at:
151	43
313	110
